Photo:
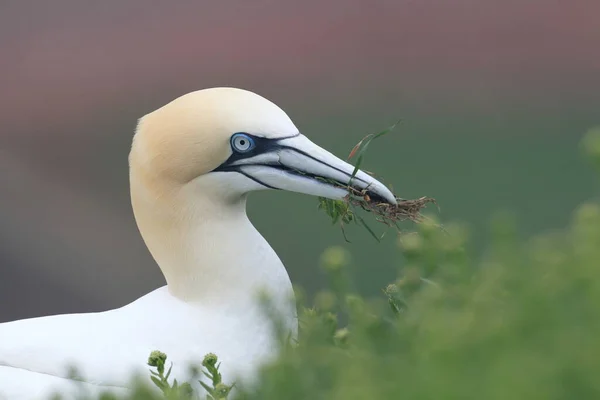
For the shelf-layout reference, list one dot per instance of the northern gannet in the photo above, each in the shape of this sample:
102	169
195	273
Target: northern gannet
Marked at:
192	164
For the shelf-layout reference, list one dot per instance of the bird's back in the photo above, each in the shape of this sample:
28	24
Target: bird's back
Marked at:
107	348
38	356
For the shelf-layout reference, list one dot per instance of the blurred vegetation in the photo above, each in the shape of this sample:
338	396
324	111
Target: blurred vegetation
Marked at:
521	321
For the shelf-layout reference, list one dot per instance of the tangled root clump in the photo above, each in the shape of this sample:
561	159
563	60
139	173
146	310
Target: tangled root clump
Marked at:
390	214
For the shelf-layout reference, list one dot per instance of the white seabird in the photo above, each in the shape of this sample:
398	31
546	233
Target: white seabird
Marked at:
192	164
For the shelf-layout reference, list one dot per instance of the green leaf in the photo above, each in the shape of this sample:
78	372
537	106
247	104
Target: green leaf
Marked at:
356	167
363	145
206	387
344	234
331	209
388	129
158	382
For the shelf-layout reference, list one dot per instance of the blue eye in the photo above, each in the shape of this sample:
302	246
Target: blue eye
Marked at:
242	143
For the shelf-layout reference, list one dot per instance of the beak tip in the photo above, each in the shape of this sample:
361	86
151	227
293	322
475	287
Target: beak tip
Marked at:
387	195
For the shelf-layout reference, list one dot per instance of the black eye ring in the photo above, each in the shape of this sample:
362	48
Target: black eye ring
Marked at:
242	143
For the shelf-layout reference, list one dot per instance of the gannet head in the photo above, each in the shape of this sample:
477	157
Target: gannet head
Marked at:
230	142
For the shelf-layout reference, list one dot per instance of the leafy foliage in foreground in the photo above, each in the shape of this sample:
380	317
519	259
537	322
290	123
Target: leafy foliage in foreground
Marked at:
522	322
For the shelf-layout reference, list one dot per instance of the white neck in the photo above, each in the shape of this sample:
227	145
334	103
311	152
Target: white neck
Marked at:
205	245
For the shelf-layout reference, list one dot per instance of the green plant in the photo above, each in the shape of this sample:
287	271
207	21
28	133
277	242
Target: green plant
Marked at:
157	359
218	390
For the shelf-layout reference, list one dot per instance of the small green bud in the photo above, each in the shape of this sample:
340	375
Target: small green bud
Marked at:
394	295
341	336
309	312
391	290
210	360
330	320
335	258
157	358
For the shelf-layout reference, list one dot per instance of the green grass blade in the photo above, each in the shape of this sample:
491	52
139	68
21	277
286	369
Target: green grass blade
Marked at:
362	146
367	227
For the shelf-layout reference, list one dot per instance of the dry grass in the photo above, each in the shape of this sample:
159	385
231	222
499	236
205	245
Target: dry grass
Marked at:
390	214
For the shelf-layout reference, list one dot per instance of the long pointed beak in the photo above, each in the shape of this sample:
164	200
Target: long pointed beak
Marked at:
297	164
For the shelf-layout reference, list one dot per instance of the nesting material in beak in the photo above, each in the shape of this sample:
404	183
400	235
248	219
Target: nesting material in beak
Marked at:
383	211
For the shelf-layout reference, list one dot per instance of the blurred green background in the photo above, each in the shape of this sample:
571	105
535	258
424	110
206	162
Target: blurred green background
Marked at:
494	97
473	165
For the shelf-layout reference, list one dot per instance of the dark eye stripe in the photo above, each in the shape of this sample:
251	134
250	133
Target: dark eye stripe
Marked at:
261	145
